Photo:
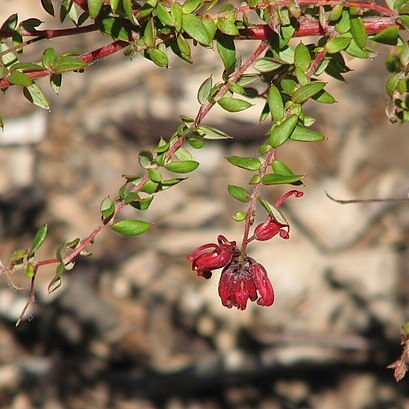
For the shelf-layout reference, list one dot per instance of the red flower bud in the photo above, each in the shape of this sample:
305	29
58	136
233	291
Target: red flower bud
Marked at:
212	256
271	227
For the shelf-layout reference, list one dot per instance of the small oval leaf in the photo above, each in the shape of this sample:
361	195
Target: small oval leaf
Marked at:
307	91
130	227
194	27
280	133
234	104
275	104
245	162
306	135
182	167
38	240
238	193
204	90
277	179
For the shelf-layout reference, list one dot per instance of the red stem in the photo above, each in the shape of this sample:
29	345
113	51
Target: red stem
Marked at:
87	57
310	27
370	5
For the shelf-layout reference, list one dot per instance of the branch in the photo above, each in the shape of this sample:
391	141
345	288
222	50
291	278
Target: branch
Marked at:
204	110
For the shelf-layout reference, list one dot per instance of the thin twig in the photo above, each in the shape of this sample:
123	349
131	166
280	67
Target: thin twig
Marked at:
375	200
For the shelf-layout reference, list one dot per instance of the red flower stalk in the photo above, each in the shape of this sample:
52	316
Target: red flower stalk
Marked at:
212	256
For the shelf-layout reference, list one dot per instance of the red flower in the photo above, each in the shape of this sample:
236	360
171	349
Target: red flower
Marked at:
271	227
212	256
263	284
241	282
236	286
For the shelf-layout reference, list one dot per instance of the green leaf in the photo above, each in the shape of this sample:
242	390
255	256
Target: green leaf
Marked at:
210	26
114	4
343	25
183	155
10	24
301	76
17	257
275	103
18	78
336	44
114	27
307	91
27	67
266	64
150	187
63	64
1	122
194	27
358	31
277	179
73	243
177	14
149	34
38	240
55	82
182	49
56	281
204	90
159	57
324	97
273	211
94	7
404	18
164	16
30	23
238	193
247	163
146	159
302	57
171	182
196	143
127	4
189	6
336	12
208	132
239	216
288	86
226	26
281	168
107	208
392	83
48	57
280	133
387	36
227	51
186	166
155	175
48	6
306	135
142	204
30	270
130	227
355	51
34	94
233	104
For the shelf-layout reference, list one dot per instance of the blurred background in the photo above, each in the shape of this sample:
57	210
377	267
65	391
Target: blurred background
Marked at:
132	326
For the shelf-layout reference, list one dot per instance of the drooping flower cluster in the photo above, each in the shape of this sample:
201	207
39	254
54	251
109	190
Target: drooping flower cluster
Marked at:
242	277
